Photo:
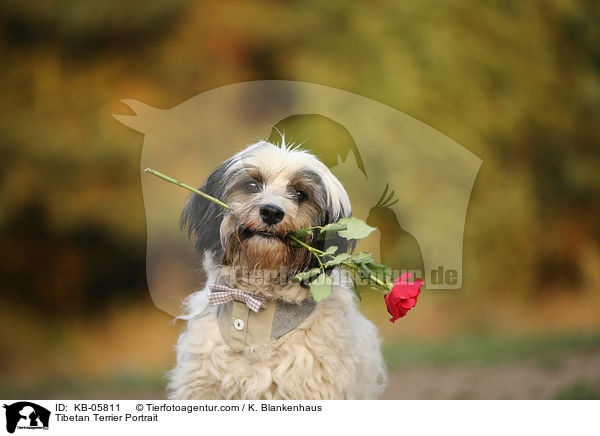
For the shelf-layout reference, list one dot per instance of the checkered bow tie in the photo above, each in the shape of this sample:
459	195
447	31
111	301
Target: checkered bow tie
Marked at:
224	294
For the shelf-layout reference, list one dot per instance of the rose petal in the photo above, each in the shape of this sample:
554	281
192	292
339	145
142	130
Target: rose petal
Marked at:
406	291
403	296
408	303
404	277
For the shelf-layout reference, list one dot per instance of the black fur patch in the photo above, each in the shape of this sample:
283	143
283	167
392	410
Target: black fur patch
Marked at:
202	218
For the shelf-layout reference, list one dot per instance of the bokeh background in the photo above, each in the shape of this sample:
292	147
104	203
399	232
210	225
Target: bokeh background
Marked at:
516	83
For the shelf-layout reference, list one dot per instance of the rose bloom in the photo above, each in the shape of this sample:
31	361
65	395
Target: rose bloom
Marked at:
403	296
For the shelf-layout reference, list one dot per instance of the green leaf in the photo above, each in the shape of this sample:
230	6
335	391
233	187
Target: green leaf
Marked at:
302	233
333	227
364	272
380	270
331	250
362	257
357	228
301	276
337	260
320	288
378	266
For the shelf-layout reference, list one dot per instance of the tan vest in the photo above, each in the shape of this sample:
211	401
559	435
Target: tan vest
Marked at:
241	327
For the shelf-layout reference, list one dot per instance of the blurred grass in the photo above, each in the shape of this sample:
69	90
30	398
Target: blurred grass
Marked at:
579	391
546	352
114	386
485	349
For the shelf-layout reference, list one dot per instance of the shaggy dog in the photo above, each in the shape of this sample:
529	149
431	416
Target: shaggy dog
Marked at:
292	348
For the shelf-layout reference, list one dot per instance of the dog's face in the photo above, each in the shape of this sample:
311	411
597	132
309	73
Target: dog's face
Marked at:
270	198
273	191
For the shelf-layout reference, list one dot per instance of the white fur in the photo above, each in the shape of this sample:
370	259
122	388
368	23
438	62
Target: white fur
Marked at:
333	354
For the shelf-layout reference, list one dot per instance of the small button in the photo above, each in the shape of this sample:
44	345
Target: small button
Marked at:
238	324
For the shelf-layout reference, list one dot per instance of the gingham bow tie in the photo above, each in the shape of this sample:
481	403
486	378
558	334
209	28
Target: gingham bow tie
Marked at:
224	294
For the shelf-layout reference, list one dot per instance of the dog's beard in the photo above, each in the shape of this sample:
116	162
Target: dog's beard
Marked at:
264	249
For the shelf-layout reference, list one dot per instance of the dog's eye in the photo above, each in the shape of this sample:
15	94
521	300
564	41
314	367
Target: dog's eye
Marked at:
301	196
251	187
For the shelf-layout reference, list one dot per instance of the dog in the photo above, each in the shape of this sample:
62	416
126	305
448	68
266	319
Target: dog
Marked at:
291	348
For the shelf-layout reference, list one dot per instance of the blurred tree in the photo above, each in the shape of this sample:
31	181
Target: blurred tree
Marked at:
517	83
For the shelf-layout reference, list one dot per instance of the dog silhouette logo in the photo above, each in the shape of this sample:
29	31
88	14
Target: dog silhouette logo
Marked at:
26	415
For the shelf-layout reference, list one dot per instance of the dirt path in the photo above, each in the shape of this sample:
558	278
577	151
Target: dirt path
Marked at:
571	377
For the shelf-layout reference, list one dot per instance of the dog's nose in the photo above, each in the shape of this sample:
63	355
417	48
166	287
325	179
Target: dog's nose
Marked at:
271	214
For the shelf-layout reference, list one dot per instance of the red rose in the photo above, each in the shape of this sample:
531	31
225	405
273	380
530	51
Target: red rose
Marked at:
403	296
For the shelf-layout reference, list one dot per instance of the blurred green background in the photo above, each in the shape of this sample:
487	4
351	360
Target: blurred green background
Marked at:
517	83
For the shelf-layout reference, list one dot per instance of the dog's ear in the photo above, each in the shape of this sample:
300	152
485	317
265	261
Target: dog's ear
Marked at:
202	218
337	206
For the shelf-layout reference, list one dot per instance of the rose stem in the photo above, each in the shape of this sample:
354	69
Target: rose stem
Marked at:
188	187
349	265
313	250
